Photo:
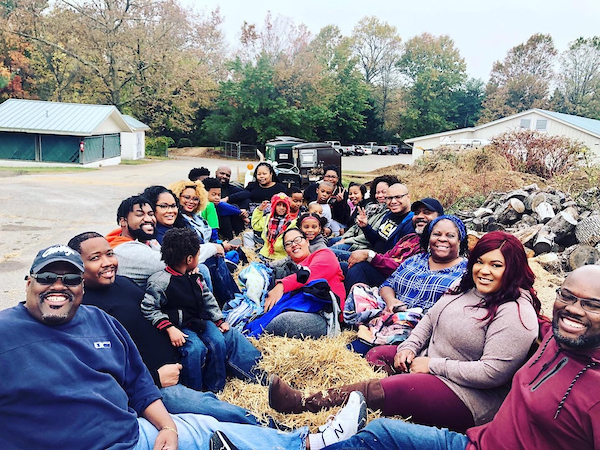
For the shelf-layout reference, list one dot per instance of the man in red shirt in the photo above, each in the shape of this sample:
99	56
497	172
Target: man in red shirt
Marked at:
554	401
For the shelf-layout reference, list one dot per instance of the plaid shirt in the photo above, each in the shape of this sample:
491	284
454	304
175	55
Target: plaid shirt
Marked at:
418	286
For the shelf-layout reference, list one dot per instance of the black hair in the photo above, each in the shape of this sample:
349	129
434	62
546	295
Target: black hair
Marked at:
153	192
211	183
388	179
291	229
127	205
268	166
178	244
362	187
75	242
322	220
295	190
198	172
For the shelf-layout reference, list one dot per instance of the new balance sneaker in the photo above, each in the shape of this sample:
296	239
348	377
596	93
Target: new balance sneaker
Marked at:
218	441
351	419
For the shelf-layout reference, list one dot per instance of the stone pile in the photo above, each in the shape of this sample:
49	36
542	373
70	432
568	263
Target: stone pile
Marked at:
562	233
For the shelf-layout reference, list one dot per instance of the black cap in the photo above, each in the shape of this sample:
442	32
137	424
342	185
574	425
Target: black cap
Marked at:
56	253
430	203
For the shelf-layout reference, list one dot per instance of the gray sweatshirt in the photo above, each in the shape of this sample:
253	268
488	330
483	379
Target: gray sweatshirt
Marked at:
476	359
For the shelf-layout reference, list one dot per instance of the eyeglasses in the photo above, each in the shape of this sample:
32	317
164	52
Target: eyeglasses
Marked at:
167	207
189	198
49	278
395	197
592	306
331	176
297	240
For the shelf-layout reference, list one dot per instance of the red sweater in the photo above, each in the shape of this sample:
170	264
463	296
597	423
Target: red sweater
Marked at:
322	264
554	402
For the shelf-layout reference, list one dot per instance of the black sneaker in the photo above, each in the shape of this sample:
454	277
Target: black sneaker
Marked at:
218	441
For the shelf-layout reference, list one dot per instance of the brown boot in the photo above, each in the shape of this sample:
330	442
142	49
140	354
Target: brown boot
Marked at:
284	399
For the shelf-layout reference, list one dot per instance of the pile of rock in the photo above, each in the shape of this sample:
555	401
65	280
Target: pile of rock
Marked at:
564	234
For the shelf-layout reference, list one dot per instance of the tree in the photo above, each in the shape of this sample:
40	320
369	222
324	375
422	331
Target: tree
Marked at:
522	80
578	82
377	46
435	76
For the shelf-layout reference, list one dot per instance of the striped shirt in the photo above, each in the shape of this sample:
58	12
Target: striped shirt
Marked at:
418	286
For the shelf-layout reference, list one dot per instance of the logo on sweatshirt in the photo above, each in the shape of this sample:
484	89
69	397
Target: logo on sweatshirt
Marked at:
102	344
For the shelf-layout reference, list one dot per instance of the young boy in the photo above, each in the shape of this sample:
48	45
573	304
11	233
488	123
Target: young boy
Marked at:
296	202
213	188
178	302
324	193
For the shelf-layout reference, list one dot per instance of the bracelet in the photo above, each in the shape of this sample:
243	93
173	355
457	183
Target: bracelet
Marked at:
170	429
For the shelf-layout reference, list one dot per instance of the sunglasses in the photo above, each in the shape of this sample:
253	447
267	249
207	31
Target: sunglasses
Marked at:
49	278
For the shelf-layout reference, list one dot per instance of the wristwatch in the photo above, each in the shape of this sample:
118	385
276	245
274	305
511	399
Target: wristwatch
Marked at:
371	255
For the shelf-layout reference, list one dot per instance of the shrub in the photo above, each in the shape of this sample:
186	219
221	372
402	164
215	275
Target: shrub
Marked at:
184	142
538	153
158	146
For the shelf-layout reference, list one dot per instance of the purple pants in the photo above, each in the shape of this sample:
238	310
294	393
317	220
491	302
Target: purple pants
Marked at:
423	397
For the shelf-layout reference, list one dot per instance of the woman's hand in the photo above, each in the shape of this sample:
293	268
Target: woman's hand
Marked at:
220	250
273	296
224	327
357	256
361	218
340	195
403	360
263	205
420	365
394	305
177	336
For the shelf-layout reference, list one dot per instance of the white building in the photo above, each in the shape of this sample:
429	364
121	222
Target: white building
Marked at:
557	124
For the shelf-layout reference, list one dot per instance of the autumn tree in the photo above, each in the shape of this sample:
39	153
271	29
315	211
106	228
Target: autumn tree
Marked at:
522	80
377	46
578	81
435	76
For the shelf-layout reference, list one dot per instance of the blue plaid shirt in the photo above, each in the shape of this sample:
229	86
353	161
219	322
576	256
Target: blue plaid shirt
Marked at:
418	286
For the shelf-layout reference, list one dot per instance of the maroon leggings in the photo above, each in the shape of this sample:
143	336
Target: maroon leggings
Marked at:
421	396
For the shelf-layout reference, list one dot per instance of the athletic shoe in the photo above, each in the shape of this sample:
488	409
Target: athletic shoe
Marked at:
347	422
218	441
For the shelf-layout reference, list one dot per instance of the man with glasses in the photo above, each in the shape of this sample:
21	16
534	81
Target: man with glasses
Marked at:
395	224
73	378
554	401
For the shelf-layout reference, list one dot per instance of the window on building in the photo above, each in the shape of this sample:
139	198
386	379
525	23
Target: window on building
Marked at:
541	124
526	124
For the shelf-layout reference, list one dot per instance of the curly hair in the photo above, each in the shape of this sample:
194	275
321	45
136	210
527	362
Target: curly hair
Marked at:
517	273
76	241
198	172
387	179
178	244
179	186
127	205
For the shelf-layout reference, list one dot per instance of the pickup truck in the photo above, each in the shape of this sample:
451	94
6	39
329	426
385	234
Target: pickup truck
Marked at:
344	149
372	147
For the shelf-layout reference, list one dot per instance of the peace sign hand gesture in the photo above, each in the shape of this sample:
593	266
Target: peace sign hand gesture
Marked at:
361	218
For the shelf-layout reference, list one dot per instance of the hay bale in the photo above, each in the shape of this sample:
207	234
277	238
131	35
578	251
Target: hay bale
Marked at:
310	365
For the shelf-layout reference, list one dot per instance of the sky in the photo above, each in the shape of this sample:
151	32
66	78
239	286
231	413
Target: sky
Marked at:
483	30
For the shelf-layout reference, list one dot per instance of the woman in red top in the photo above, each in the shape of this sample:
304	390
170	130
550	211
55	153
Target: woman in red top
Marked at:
322	264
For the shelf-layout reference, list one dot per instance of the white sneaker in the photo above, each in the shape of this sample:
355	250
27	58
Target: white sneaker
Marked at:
347	422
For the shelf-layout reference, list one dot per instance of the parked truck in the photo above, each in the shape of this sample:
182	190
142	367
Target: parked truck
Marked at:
343	149
373	148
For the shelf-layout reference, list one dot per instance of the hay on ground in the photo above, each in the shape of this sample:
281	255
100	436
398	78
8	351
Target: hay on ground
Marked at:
310	365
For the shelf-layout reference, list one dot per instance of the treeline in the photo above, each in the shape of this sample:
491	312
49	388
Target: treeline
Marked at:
172	69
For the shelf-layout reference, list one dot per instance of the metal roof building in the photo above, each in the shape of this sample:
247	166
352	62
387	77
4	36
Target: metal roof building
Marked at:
32	130
550	122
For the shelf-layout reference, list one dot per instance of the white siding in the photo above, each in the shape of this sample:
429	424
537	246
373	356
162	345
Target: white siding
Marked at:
109	126
133	145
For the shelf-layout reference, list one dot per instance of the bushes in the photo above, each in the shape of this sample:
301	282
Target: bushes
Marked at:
184	142
158	146
537	153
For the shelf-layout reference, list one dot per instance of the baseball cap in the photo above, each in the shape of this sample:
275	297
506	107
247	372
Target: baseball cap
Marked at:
56	253
429	203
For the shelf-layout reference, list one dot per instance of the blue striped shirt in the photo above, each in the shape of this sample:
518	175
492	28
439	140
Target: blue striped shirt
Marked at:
418	286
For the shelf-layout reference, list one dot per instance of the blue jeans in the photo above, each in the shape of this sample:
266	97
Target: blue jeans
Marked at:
209	357
342	251
224	287
194	432
203	269
389	434
180	399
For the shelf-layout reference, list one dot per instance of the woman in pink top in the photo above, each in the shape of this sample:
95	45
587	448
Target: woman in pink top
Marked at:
321	264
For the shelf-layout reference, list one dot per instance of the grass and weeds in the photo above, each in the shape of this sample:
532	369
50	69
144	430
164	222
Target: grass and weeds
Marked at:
15	171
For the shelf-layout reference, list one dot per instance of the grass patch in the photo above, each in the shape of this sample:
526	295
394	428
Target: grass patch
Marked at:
15	171
139	162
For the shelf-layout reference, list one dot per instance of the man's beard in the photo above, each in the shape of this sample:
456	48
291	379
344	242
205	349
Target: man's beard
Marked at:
581	342
58	318
141	235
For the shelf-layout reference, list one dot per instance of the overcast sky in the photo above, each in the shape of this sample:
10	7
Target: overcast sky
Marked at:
482	30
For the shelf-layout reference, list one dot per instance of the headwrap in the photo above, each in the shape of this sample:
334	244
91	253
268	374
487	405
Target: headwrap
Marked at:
277	224
462	231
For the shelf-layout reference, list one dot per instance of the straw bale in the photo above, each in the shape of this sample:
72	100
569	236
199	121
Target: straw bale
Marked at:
310	365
